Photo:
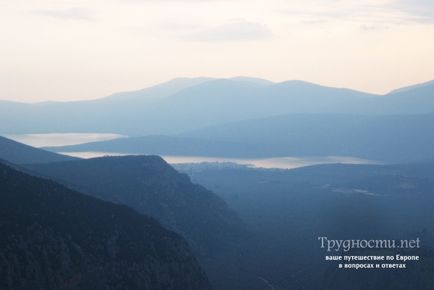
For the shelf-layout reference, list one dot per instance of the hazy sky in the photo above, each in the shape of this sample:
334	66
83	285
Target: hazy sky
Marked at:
76	49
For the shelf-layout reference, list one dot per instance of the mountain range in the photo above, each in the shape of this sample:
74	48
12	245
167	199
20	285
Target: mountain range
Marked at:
135	222
189	104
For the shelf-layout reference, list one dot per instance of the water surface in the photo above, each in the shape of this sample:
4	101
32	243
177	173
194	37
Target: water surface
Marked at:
278	162
61	139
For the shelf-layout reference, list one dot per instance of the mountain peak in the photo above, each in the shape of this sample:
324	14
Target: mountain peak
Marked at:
252	80
160	90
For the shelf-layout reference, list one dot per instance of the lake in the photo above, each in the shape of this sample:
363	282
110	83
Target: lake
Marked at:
62	139
277	162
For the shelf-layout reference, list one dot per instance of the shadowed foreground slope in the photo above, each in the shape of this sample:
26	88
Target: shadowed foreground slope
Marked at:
55	238
151	186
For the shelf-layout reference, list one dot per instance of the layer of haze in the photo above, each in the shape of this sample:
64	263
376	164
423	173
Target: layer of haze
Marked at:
67	50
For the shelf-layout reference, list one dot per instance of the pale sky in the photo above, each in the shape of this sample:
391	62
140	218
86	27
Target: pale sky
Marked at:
76	49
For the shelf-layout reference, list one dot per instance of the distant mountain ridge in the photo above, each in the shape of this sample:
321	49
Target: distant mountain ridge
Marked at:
390	138
412	87
158	91
189	104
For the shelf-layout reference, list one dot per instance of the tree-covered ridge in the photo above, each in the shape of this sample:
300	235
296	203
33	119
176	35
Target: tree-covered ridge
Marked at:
55	238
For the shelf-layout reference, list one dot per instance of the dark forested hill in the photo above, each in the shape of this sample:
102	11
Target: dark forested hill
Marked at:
55	238
151	186
19	153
